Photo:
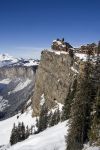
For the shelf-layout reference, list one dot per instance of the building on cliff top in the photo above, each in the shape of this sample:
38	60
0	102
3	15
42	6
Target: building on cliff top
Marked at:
89	48
60	45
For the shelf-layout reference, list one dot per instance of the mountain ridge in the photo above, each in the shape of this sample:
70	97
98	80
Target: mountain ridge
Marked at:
8	60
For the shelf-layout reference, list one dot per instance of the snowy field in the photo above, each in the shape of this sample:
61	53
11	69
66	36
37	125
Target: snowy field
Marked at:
7	125
52	138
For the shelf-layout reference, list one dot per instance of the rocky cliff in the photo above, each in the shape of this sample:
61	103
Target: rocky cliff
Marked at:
17	71
16	87
55	74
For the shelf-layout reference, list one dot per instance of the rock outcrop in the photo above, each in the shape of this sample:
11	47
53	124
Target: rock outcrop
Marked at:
55	74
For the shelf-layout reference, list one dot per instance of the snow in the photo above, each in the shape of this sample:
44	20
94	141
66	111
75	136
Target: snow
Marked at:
7	60
42	101
5	81
54	41
50	139
7	125
58	52
81	56
63	45
74	70
3	103
88	147
28	102
59	105
59	42
4	57
21	86
92	148
31	63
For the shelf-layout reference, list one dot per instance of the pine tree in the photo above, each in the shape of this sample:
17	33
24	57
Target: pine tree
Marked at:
14	135
43	118
32	130
19	133
58	116
80	111
55	118
49	118
68	101
94	135
71	53
27	133
37	122
23	136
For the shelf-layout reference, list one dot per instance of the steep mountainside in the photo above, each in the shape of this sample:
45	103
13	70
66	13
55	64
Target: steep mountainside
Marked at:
55	83
16	84
54	76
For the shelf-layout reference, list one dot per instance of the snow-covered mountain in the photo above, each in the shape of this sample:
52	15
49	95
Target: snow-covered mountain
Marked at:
17	78
7	60
16	87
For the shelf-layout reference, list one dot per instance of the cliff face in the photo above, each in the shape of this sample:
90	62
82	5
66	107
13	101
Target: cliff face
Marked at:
54	76
17	71
16	87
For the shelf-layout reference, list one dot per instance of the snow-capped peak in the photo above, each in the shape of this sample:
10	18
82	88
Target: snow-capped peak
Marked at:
7	60
5	57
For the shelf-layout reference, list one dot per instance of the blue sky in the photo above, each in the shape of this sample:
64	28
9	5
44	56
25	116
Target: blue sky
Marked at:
28	26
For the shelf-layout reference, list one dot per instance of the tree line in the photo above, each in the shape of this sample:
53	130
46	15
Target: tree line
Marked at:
19	133
84	122
47	118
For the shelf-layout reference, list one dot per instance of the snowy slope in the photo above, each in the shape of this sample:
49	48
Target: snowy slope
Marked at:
13	94
6	125
93	148
5	81
81	56
47	140
50	139
21	86
87	147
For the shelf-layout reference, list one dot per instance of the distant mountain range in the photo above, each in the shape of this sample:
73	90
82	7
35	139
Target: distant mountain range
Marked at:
7	60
